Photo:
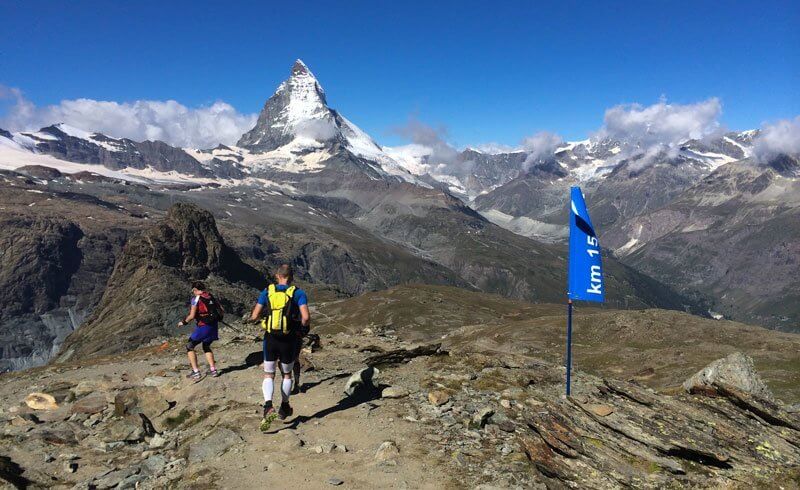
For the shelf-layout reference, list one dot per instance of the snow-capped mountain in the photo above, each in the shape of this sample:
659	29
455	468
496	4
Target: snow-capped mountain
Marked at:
471	172
296	122
623	178
296	134
71	150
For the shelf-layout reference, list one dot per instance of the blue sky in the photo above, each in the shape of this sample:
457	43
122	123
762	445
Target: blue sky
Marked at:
487	71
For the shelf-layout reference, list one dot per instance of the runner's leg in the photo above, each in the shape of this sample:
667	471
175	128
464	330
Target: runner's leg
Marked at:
297	366
209	355
192	355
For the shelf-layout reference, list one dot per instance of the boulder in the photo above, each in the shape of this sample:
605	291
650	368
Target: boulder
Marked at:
361	382
41	401
394	392
114	478
90	405
158	441
438	397
599	409
126	429
155	464
480	418
91	386
156	381
387	451
219	441
146	400
736	371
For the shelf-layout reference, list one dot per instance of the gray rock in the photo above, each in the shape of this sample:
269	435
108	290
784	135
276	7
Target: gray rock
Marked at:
125	429
394	392
155	464
158	441
147	400
361	382
335	481
115	478
155	381
90	405
387	451
131	481
736	371
503	422
480	418
220	440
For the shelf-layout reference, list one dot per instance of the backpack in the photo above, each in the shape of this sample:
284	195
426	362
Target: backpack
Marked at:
208	309
284	313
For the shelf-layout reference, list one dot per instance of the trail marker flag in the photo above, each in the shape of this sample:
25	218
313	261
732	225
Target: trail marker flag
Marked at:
585	274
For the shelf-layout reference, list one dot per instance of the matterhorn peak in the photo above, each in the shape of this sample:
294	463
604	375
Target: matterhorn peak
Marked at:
300	68
297	105
297	119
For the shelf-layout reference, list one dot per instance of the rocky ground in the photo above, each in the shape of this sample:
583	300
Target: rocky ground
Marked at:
657	348
420	418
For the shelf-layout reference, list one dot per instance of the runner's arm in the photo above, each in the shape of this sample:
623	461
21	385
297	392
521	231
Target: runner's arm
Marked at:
305	316
256	312
192	314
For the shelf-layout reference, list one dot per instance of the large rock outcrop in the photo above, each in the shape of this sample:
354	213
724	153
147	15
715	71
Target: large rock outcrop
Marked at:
735	371
51	275
148	290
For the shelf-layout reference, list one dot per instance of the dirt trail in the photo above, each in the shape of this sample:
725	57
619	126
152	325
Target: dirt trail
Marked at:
329	438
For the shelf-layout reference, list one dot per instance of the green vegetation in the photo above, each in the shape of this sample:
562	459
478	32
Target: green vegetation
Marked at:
177	420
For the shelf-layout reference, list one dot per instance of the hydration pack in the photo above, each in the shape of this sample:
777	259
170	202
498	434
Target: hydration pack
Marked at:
208	309
284	313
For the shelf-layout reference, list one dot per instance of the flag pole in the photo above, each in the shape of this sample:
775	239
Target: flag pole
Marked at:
569	346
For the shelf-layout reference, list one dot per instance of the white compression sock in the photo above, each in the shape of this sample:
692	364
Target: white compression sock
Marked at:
267	387
286	389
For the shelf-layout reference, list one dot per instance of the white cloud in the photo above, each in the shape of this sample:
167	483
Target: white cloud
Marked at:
443	158
316	129
658	129
540	146
783	137
168	121
493	148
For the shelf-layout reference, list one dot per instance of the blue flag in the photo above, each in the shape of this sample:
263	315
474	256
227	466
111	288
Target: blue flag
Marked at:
585	276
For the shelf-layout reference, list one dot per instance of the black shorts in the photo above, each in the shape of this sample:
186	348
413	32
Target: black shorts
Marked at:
280	348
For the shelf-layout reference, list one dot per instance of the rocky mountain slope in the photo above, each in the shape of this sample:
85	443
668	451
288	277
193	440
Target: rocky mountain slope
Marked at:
464	417
152	276
736	231
69	232
58	250
719	230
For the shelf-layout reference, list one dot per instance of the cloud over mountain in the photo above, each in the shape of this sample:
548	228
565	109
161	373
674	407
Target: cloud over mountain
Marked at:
649	131
168	121
782	137
540	146
444	158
